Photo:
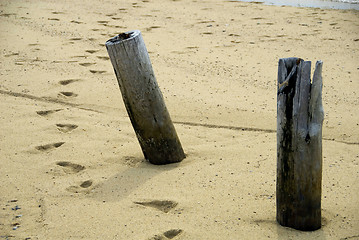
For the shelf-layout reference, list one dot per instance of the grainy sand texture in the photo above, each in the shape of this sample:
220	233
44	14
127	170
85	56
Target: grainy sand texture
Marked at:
70	163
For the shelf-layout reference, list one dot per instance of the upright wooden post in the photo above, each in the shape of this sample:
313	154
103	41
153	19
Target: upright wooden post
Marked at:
299	144
143	99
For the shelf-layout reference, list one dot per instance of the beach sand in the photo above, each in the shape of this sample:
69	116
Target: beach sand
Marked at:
72	168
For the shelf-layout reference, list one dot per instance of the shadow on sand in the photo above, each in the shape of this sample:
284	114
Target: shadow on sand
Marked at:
121	185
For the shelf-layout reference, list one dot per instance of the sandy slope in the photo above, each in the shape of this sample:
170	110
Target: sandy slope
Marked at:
69	157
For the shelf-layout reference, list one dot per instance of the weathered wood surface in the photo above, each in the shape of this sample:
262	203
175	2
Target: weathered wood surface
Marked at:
143	99
299	144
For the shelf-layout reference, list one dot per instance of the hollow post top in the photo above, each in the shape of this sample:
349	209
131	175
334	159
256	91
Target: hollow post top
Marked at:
123	37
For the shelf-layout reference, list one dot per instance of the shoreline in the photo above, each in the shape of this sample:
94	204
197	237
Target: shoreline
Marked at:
309	3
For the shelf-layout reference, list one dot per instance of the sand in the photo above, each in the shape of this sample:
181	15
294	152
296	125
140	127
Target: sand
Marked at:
72	168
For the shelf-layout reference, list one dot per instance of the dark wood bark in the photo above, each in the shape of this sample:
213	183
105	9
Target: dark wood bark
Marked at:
143	99
299	144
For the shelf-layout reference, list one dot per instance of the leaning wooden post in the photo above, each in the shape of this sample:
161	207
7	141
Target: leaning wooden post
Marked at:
143	99
299	144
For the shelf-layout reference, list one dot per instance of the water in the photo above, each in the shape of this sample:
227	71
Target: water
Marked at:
335	4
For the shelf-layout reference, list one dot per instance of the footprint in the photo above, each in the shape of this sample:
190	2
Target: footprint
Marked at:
92	51
77	22
162	205
69	167
330	39
33	44
152	27
7	14
170	234
48	147
206	21
11	54
257	18
84	187
65	128
75	39
47	112
53	19
68	94
97	71
103	57
86	64
133	161
179	52
86	184
79	56
68	81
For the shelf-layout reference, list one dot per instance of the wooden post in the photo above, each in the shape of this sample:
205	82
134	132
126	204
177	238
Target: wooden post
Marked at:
143	99
299	144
